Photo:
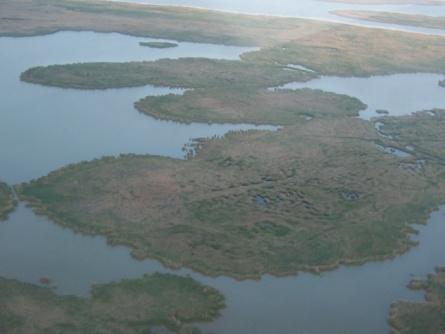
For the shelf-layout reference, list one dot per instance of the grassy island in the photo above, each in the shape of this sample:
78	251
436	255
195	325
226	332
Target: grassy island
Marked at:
422	318
256	106
129	306
159	45
442	83
307	197
182	73
7	202
424	21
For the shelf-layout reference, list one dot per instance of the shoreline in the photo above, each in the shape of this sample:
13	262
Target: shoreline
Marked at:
40	210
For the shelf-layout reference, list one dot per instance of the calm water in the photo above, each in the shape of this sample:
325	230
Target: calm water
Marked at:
348	300
43	128
314	9
399	94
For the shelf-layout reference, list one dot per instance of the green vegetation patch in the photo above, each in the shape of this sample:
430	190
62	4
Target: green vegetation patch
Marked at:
422	318
442	83
306	197
257	106
183	73
7	201
159	45
129	306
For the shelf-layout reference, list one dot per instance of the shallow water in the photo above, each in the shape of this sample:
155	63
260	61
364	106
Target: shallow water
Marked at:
42	128
261	201
313	9
394	151
399	94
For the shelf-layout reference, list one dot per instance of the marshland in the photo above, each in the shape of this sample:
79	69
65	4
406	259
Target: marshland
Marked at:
287	197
